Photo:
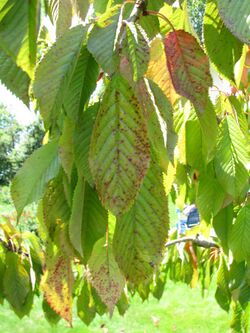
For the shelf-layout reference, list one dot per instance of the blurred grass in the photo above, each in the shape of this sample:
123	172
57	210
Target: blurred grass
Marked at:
180	310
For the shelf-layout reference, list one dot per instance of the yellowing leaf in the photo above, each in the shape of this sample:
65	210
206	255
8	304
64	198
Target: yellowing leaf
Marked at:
158	72
57	283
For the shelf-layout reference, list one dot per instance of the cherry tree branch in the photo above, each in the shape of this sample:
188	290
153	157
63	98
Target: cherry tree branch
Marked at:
195	240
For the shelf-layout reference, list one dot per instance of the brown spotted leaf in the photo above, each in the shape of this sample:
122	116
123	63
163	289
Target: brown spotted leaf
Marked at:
105	275
140	234
188	66
57	283
119	150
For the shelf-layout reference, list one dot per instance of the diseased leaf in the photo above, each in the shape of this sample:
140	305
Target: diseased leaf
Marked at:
239	235
81	141
140	234
119	151
103	37
88	220
57	283
220	42
188	66
232	158
53	75
105	275
29	183
157	70
236	16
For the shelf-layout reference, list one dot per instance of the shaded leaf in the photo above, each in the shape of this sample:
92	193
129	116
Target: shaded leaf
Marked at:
16	281
81	141
88	220
82	84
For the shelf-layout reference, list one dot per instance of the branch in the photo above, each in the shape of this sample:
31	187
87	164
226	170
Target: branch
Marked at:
199	242
10	246
139	8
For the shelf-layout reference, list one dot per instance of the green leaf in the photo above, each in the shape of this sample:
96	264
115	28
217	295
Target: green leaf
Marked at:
61	12
85	305
119	152
29	183
81	8
156	127
166	112
137	47
222	223
140	233
219	41
236	16
82	84
209	129
55	206
14	78
189	67
55	71
66	146
232	158
51	316
239	235
16	281
81	141
222	295
103	37
19	25
105	275
210	196
193	143
88	220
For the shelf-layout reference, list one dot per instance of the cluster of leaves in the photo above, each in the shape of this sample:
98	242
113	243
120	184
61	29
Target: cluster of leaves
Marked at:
124	96
16	144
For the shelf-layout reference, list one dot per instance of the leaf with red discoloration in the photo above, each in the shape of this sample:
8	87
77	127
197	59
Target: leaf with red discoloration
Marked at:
105	275
57	284
188	66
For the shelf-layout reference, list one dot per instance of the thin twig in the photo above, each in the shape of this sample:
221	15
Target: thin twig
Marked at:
163	17
199	242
